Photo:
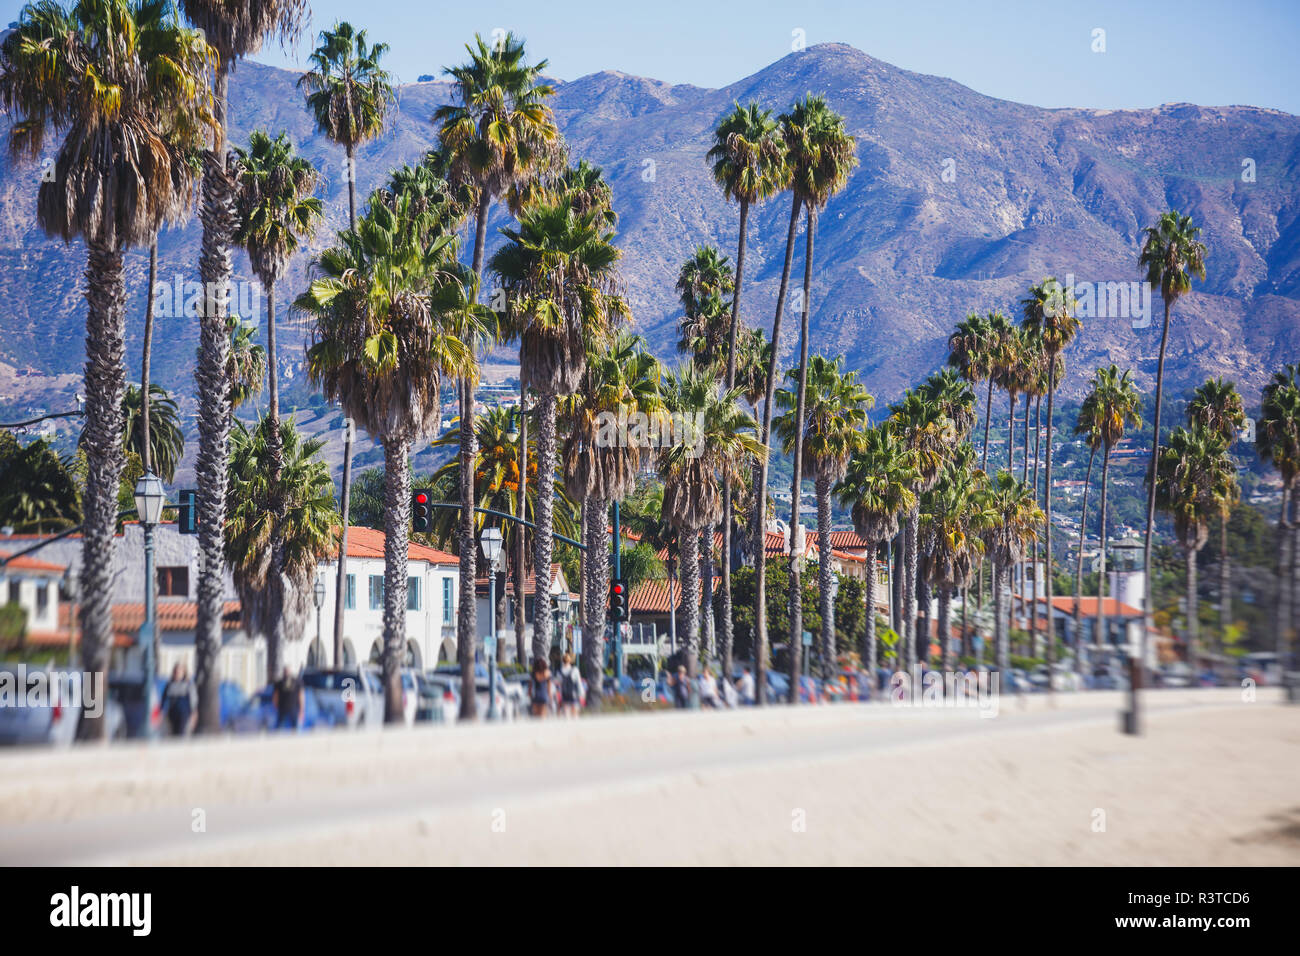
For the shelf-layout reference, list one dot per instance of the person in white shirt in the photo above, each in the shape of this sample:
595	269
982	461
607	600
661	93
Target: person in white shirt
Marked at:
745	687
708	689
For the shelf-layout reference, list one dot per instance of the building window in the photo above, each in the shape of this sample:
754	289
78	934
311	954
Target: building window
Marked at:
42	598
15	591
174	582
376	592
350	594
446	601
412	594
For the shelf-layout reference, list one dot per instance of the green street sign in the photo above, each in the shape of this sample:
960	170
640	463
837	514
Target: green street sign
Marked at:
807	638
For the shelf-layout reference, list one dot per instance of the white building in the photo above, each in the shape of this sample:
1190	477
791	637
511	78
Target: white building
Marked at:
431	602
33	585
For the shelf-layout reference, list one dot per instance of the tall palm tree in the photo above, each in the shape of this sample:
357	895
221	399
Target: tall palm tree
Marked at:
394	312
926	432
1011	375
245	369
878	487
1195	482
298	538
693	469
971	352
820	155
954	517
600	467
349	95
1111	405
1049	311
1088	428
235	28
831	432
275	213
705	284
162	445
1171	257
559	271
499	135
1014	518
117	79
1278	437
1218	406
748	162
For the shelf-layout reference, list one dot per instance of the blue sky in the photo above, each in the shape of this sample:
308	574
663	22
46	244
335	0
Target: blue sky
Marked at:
1160	51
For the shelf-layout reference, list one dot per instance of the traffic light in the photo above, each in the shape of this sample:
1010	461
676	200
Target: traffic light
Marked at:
618	600
187	517
421	511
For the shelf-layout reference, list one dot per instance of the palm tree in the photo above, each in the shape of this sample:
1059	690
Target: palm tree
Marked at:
926	432
1014	517
245	370
831	432
704	283
1171	256
1011	375
119	80
235	28
1111	405
600	467
954	517
693	469
161	444
820	155
971	352
559	271
348	94
1088	427
38	491
499	136
878	487
1049	313
1217	405
394	312
1278	437
256	538
1195	482
748	162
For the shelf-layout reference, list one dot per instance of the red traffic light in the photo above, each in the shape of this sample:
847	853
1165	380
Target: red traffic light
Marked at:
421	498
618	589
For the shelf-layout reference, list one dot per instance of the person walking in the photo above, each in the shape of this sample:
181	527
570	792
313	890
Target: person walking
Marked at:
539	689
745	687
289	701
180	702
570	687
681	688
708	689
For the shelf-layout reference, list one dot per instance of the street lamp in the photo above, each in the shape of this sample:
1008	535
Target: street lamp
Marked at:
318	596
562	602
828	667
150	496
490	539
512	429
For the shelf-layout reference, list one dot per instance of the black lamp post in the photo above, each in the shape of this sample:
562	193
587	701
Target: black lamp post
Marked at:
150	496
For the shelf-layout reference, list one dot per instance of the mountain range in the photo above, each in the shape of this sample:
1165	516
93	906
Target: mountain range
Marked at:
959	203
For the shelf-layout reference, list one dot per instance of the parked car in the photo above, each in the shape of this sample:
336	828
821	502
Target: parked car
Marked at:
46	723
438	698
259	714
1177	674
128	691
1108	678
353	697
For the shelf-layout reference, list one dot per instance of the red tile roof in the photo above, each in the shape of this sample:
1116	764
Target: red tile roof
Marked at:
651	597
530	582
848	539
26	563
369	543
1088	606
127	619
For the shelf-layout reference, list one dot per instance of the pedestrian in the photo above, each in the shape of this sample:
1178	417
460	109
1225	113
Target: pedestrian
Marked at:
570	687
729	695
539	690
180	702
681	688
288	700
745	687
708	689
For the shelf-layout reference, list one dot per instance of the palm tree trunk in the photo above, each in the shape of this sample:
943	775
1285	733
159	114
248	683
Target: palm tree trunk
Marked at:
542	544
869	589
965	628
760	486
1102	636
352	186
397	519
1193	623
796	587
923	628
909	635
1078	574
105	379
467	612
945	626
690	573
345	507
275	452
521	504
728	627
217	214
1147	609
988	419
1284	559
825	576
1011	437
1225	583
499	613
1033	615
707	622
1047	525
146	452
1001	607
596	565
